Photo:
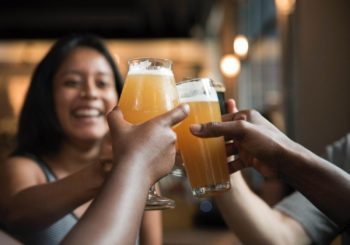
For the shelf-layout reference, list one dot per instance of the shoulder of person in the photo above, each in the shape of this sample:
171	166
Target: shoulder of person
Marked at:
342	142
339	152
20	161
7	239
21	169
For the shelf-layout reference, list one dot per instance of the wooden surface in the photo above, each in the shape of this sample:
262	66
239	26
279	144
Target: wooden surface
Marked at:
200	237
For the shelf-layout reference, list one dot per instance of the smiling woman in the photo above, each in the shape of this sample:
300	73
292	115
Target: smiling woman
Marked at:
84	92
48	182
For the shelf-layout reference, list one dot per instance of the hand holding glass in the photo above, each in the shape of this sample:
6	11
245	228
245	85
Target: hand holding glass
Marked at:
205	159
149	91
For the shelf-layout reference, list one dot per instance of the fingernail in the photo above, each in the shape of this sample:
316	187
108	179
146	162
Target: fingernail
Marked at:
186	108
196	128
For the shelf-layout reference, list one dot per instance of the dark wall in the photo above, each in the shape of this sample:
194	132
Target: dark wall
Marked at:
111	19
322	99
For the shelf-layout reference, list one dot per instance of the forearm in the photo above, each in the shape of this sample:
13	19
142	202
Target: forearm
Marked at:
115	215
38	206
252	220
151	228
151	232
324	184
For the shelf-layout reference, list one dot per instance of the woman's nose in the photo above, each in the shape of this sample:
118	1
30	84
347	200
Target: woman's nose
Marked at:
89	91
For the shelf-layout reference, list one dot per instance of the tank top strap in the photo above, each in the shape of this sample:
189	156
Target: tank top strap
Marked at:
49	174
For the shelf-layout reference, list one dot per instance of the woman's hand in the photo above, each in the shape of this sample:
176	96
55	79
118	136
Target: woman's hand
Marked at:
151	144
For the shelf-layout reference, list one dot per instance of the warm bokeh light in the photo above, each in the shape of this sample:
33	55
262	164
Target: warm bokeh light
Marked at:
17	88
241	46
116	58
285	6
230	65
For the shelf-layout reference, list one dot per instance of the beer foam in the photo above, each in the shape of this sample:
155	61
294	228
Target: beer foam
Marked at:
196	92
158	72
146	68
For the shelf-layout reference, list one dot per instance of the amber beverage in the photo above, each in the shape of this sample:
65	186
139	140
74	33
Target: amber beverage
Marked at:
149	91
147	94
205	159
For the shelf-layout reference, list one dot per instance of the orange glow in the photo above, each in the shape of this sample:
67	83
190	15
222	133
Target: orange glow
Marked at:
17	88
230	65
285	6
241	46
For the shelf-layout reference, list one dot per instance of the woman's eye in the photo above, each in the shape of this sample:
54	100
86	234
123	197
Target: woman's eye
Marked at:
102	84
72	83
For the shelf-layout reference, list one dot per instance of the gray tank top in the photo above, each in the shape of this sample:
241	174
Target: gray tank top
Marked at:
55	233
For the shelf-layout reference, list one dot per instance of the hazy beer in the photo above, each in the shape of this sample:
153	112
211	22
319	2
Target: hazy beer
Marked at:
149	91
205	159
147	94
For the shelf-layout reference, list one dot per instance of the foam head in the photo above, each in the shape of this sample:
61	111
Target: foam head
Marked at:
196	90
150	67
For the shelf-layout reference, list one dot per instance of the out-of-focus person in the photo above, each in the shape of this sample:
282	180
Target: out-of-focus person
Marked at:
116	213
50	179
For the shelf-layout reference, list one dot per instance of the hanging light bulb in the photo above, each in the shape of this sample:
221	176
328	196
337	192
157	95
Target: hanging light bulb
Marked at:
230	65
285	6
241	46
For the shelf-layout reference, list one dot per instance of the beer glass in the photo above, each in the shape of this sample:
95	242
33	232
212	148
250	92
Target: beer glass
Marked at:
205	159
149	90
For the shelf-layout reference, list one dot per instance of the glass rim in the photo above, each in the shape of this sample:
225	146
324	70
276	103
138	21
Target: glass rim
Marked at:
195	79
167	61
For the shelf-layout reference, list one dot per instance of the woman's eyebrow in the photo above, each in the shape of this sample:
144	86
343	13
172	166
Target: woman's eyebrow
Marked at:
69	72
77	72
104	73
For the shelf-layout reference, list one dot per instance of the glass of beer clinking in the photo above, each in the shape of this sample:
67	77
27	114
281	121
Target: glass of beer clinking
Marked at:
205	159
149	91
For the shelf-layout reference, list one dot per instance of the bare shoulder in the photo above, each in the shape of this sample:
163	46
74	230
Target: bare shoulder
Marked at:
6	239
18	173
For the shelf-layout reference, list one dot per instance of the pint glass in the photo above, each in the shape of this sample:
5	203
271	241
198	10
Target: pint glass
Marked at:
204	158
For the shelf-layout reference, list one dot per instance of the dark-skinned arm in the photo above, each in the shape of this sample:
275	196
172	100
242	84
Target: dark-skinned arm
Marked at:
261	145
143	154
23	195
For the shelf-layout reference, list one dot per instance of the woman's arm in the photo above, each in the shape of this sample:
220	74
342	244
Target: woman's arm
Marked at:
255	222
151	231
28	202
116	213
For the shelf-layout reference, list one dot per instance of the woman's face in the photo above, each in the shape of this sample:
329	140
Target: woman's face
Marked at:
84	91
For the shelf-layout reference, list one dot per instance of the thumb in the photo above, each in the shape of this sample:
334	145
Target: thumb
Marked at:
231	130
116	121
174	116
231	106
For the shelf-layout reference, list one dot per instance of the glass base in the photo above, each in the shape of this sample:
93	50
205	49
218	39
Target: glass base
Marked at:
155	202
203	191
178	172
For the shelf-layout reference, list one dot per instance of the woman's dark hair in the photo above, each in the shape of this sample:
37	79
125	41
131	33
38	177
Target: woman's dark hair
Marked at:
39	130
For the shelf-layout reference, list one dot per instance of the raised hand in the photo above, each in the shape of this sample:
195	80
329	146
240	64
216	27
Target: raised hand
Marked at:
257	142
152	141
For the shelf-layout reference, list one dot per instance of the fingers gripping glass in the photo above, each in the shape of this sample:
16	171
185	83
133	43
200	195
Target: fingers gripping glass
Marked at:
149	91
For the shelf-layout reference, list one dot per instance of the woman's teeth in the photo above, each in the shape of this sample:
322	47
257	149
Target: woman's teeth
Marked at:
87	113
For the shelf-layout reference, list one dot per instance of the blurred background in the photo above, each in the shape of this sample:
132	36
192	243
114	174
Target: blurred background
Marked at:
289	59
